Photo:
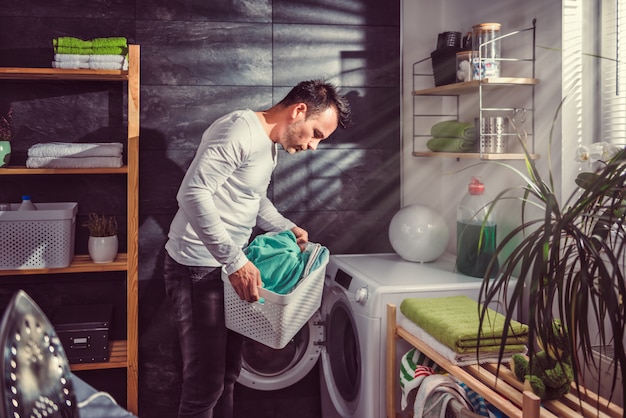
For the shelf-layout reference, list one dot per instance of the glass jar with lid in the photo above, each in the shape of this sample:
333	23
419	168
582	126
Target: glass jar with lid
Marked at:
486	47
464	66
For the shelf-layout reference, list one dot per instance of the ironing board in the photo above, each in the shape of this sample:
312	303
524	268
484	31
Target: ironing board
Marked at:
505	391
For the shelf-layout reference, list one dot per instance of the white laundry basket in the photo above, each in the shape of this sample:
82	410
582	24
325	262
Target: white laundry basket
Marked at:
277	318
42	238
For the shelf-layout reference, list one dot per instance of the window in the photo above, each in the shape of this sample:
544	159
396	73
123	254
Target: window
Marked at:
613	71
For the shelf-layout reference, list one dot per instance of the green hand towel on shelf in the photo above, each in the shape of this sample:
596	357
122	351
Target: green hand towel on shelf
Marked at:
454	321
118	41
450	145
453	129
72	50
69	41
109	50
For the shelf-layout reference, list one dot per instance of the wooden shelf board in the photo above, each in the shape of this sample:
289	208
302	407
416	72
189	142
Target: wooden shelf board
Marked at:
80	264
474	155
18	73
18	170
472	86
117	359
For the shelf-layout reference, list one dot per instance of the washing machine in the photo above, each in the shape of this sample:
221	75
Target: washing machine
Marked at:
269	369
357	290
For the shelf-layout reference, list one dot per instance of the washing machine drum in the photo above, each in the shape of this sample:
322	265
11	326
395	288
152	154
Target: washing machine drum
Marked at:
266	368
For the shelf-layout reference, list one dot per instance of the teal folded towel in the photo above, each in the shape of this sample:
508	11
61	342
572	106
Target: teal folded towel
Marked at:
450	145
453	129
455	322
281	261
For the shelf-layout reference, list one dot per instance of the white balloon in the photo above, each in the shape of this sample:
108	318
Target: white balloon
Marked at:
418	233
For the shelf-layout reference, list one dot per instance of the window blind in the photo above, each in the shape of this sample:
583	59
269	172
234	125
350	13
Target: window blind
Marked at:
613	71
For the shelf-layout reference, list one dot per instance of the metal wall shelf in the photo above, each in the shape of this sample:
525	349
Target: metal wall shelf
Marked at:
478	87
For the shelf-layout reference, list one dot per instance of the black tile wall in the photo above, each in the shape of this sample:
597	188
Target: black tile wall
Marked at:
338	12
201	10
199	60
206	53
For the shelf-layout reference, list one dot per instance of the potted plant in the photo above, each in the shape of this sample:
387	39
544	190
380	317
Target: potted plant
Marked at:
6	132
103	242
568	264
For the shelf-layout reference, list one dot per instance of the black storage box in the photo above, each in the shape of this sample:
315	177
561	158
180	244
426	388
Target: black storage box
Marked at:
444	65
84	332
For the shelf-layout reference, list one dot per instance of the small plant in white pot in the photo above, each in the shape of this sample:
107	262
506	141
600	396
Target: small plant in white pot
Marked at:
103	242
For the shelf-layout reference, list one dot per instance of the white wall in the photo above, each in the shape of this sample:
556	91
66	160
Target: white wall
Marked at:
442	182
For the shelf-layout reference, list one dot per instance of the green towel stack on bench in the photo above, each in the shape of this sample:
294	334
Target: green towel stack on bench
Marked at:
97	54
452	136
454	321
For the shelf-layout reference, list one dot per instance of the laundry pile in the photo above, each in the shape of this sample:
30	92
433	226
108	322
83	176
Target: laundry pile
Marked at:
452	136
96	54
451	325
281	261
433	392
75	155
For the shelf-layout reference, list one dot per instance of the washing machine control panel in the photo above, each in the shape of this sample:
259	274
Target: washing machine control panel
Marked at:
343	279
361	294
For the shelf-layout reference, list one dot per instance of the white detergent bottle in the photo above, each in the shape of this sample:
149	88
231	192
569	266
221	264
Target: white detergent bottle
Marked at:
476	232
26	204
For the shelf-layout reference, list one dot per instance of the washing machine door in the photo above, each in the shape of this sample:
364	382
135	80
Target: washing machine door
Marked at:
266	368
341	356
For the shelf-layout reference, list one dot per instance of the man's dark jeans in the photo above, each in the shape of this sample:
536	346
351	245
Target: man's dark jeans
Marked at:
211	353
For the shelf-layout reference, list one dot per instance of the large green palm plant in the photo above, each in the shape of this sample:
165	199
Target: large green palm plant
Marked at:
568	263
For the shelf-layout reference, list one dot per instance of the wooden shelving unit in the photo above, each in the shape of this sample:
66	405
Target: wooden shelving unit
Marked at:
123	354
496	383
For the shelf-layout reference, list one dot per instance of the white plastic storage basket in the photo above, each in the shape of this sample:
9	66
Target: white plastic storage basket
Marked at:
277	318
42	238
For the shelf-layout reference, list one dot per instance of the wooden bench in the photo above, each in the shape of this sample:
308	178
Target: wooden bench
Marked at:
505	391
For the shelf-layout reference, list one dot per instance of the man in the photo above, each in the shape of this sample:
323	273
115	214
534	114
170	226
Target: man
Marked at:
221	199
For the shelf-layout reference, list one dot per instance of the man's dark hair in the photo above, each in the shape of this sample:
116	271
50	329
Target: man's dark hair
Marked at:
319	96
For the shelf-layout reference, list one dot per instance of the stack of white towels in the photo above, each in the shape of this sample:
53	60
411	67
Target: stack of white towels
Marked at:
75	155
96	54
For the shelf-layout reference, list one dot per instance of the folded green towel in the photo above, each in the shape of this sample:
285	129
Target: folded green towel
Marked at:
109	50
119	41
453	129
450	145
117	45
69	41
454	321
72	50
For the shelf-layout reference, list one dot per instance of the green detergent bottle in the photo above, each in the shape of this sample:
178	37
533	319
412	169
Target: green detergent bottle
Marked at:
473	222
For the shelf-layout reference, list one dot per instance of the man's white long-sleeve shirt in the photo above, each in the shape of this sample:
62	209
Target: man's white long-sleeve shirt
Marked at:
224	195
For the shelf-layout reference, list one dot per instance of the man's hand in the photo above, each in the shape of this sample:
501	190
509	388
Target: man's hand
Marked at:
246	281
302	236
